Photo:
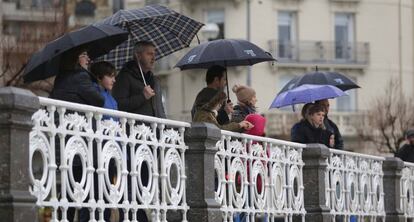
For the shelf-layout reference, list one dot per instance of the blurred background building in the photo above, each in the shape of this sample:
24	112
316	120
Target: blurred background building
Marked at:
369	41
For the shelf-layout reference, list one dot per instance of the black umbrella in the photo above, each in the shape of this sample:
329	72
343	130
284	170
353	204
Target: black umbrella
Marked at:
224	52
167	29
321	78
98	39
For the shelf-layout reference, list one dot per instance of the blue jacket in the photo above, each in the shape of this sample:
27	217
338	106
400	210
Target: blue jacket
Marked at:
110	102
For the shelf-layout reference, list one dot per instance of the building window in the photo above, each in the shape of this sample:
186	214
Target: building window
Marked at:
347	103
286	33
344	35
216	16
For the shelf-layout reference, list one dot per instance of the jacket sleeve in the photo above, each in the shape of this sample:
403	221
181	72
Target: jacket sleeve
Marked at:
88	92
237	116
339	142
121	92
299	135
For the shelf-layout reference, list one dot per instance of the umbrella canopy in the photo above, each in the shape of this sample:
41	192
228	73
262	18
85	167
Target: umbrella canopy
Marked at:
305	94
168	30
224	52
98	39
321	78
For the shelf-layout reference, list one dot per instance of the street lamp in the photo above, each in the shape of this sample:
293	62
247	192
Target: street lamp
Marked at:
210	31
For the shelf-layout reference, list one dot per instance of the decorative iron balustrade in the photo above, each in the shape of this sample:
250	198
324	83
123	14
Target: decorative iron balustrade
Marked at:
356	53
407	190
354	186
71	139
259	177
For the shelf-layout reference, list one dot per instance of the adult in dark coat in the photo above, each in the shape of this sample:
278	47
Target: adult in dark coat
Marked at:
312	129
331	126
130	90
74	83
406	152
216	81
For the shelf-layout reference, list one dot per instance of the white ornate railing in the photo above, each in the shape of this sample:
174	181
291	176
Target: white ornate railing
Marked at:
65	134
354	185
259	177
407	190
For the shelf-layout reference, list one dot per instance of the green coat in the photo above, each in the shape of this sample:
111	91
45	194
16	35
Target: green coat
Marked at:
203	115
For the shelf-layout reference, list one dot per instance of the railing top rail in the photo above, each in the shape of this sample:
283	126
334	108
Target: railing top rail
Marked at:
263	139
357	154
408	164
86	108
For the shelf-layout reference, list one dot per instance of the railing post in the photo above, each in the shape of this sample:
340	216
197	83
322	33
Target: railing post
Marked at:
392	175
314	176
201	140
16	109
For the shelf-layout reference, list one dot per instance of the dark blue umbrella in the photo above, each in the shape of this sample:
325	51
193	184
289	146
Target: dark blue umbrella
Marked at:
305	94
321	78
224	52
168	30
98	39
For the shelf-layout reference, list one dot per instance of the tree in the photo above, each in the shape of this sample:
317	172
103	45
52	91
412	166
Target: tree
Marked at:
16	47
390	116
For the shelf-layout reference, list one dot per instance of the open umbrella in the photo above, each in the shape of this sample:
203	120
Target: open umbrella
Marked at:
224	52
321	78
168	30
99	39
305	94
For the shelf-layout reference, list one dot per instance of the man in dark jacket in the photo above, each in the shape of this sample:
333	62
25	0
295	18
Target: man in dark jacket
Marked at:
406	152
331	126
135	94
216	81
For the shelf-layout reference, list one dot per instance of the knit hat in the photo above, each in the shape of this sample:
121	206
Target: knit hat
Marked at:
409	133
243	93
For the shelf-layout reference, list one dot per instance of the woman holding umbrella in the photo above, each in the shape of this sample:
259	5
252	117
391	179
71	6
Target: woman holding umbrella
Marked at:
74	83
312	129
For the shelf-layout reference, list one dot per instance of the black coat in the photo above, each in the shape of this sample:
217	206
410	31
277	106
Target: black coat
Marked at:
331	127
76	86
128	91
203	97
406	153
306	133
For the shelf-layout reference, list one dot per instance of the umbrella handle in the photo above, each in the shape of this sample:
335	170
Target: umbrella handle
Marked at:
142	74
228	93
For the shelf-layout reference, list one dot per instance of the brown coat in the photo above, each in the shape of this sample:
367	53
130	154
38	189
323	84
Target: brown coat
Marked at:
203	115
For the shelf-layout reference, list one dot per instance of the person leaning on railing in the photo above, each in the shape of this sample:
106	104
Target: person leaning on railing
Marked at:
312	129
208	113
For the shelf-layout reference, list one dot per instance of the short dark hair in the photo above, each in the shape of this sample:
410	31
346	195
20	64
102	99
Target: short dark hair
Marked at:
139	46
102	68
213	72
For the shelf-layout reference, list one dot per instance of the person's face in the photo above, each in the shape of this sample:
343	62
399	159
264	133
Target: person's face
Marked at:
107	81
317	118
84	60
325	103
147	58
253	101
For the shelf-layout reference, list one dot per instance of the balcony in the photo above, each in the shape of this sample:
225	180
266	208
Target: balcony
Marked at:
13	12
302	53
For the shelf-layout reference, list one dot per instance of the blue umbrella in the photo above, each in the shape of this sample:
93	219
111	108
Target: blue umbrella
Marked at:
305	94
